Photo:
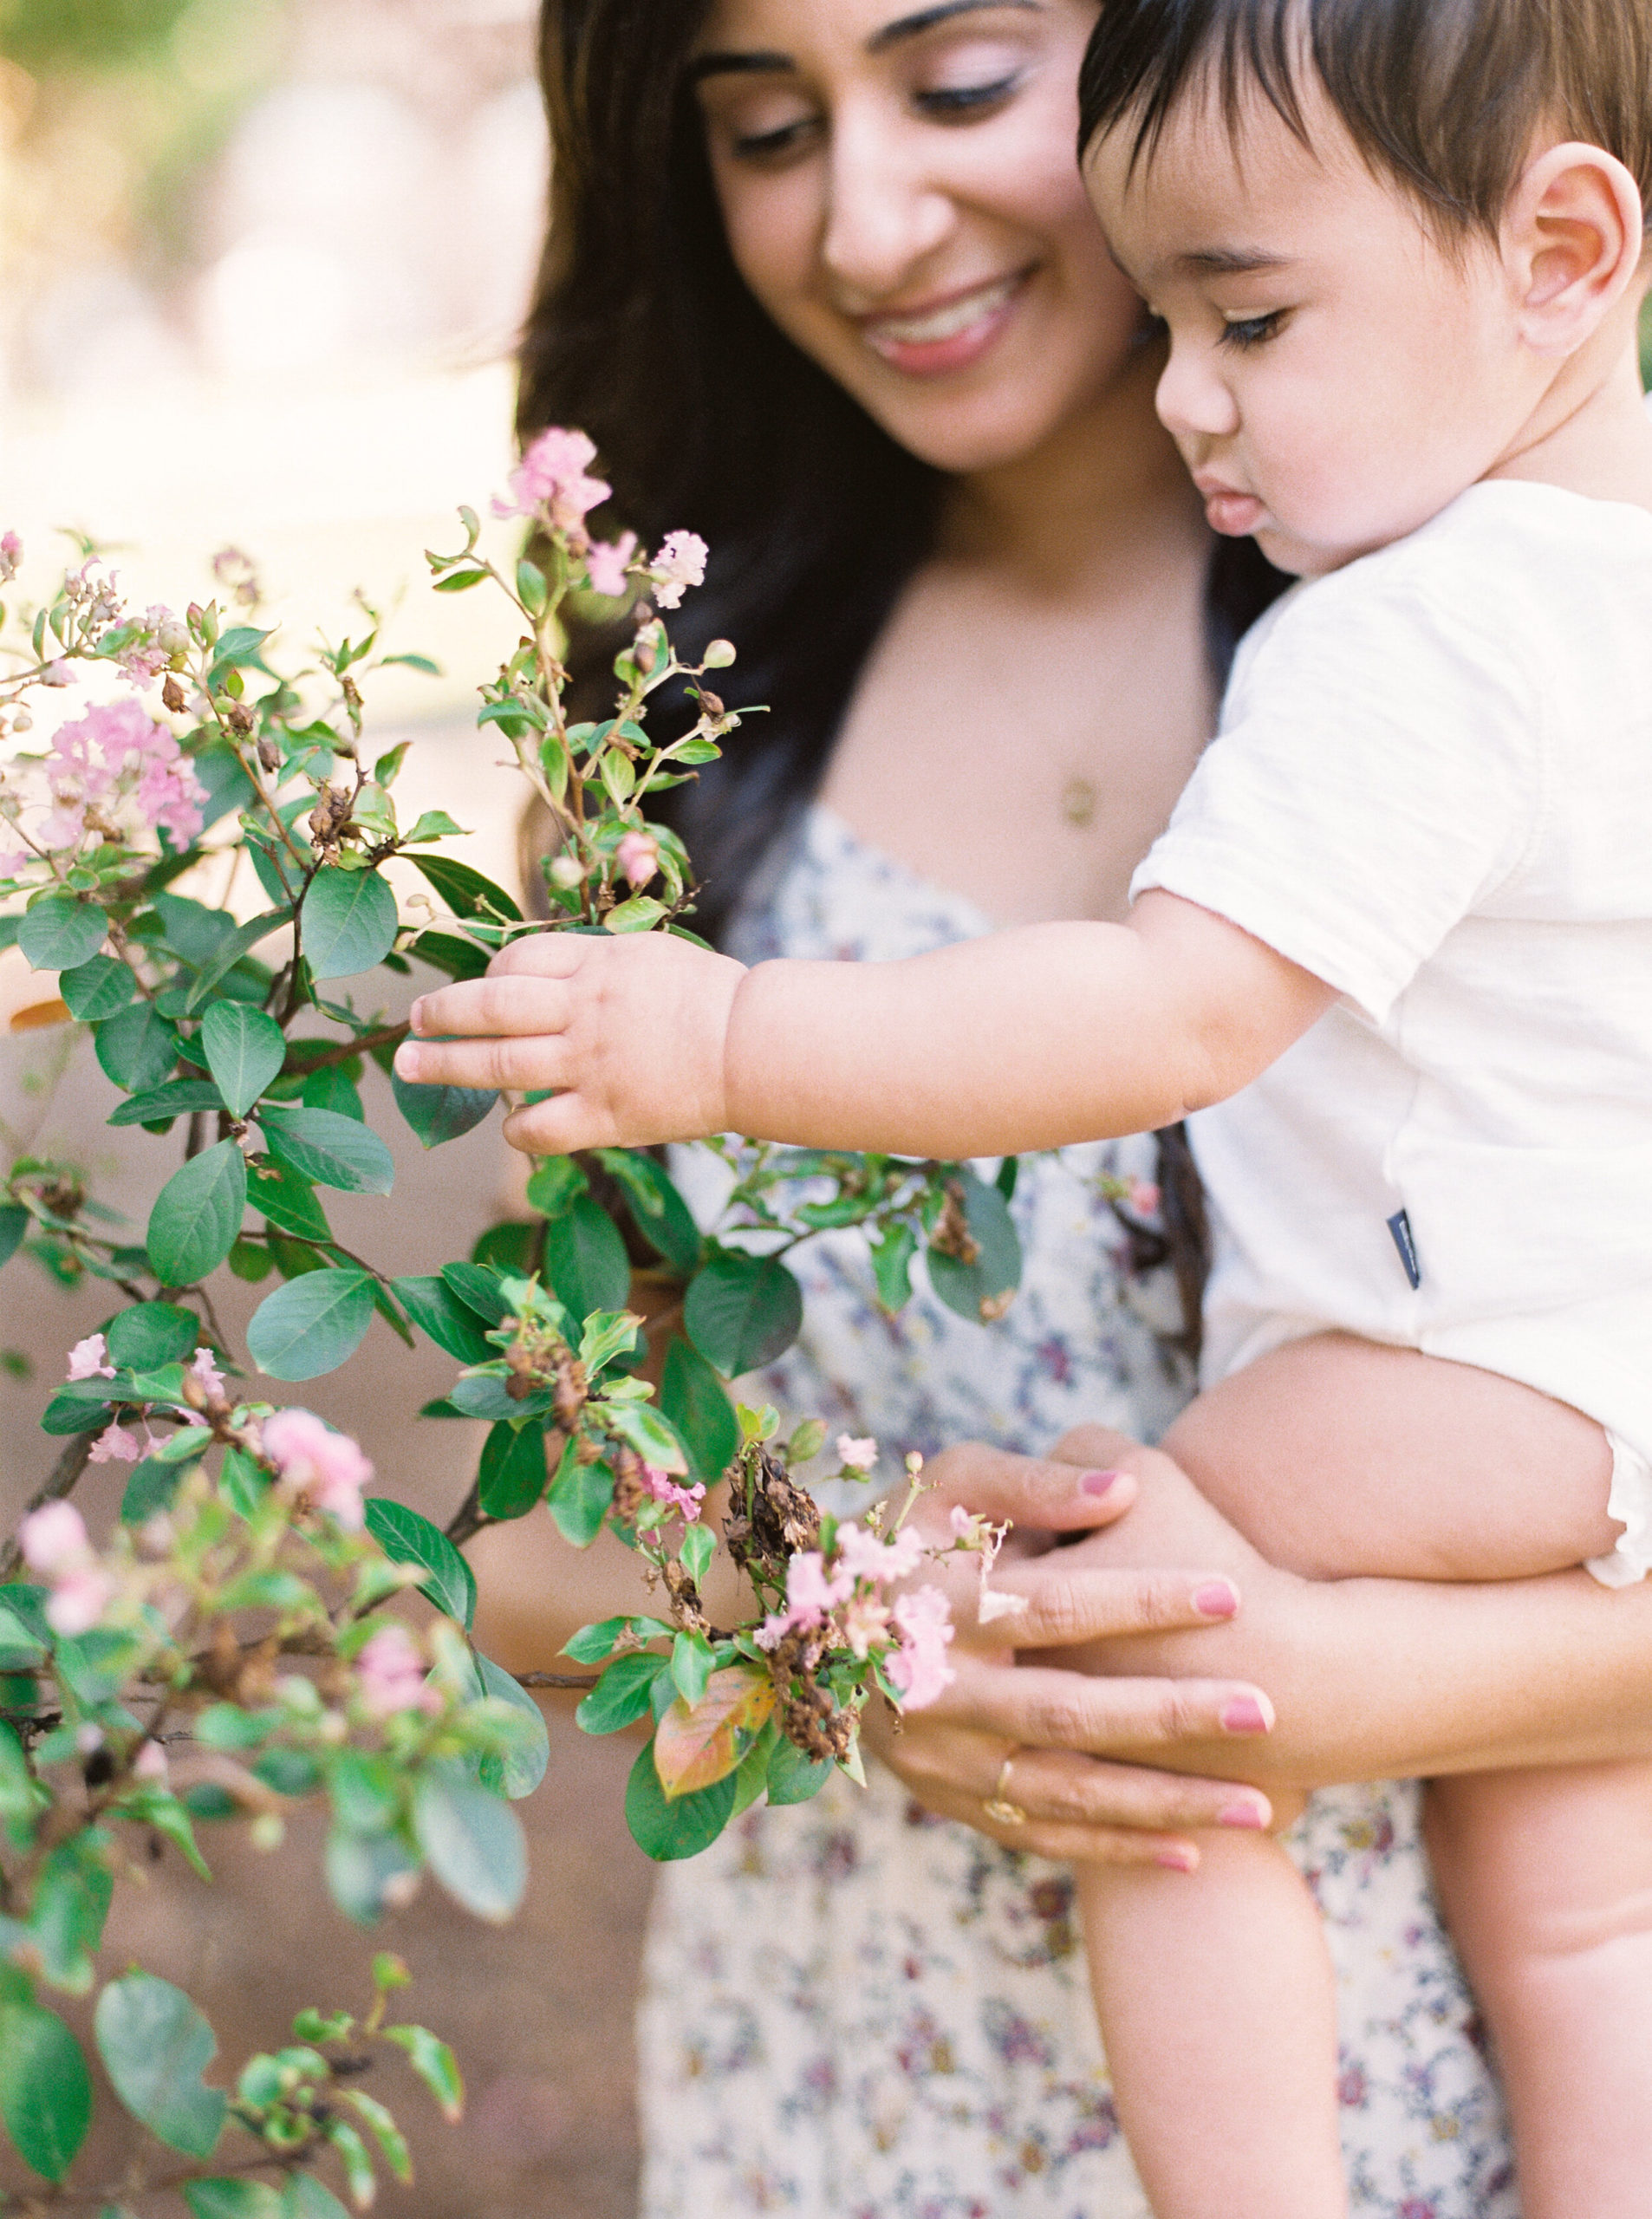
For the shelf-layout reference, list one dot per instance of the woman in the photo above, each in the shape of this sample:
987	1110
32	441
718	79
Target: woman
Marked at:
824	286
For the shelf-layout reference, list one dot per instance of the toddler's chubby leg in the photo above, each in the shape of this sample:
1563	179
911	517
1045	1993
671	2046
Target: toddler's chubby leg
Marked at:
1546	1880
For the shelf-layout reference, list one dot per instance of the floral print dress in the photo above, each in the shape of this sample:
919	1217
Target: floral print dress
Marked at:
852	2010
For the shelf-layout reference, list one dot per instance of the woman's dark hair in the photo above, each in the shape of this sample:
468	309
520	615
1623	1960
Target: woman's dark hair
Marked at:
707	419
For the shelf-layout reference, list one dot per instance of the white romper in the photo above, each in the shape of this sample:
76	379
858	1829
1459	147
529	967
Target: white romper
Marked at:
1432	788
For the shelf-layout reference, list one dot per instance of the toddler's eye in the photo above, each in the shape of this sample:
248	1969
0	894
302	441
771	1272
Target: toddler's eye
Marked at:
1252	330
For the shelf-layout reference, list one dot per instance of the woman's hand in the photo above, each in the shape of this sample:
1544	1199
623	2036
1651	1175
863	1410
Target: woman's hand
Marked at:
951	1756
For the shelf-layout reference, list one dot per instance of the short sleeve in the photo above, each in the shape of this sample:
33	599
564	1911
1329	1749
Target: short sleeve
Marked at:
1378	774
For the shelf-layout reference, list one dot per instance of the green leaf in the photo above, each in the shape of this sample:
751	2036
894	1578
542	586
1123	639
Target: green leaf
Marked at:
60	934
349	922
976	1291
178	1097
151	1334
360	1867
441	1113
435	2064
138	1048
197	1215
691	1666
331	1087
155	2046
648	1434
333	1150
99	988
513	1474
45	2089
230	951
742	1311
657	1207
286	1199
472	1841
71	1904
244	1051
459	958
695	1400
555	1185
479	1288
358	2166
13	1223
892	1259
525	1763
620	1696
405	1537
311	1324
594	1644
152	1488
700	1546
668	1830
580	1498
233	2199
307	2198
466	893
585	1259
795	1777
437	1310
391	2143
642	913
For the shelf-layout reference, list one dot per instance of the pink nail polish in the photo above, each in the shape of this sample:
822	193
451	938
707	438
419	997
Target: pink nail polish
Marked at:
1216	1598
1242	1814
1177	1860
1099	1483
1244	1715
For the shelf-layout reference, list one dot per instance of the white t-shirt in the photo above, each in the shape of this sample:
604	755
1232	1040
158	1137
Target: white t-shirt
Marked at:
1432	788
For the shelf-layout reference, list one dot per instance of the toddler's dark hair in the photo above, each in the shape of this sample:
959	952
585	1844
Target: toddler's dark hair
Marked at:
1446	96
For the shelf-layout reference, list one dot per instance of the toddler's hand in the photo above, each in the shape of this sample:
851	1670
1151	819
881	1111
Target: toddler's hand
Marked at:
628	1029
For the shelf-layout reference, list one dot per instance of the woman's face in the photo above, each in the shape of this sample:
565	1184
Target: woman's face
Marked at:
901	193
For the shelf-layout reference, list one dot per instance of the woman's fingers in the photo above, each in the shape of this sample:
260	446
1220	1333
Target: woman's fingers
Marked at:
1063	1604
1028	1490
1052	1709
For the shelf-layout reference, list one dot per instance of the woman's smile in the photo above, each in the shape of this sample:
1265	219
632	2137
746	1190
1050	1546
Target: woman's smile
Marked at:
947	334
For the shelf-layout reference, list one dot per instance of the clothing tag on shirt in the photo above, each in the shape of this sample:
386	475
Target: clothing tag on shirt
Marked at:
1405	1242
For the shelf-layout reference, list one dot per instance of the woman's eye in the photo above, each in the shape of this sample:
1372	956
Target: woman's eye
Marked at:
1252	330
962	103
773	144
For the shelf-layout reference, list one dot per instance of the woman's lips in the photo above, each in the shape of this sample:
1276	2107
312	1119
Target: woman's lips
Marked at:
951	333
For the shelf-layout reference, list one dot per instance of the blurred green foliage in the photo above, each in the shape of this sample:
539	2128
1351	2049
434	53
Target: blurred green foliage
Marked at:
54	35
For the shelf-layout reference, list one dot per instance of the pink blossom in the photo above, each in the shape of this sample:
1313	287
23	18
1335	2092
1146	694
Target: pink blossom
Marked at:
57	673
207	1372
664	1488
53	1540
863	1556
680	563
865	1621
551	480
89	1359
1145	1198
10	557
313	1461
150	1763
79	1600
856	1455
638	856
118	762
116	1446
918	1667
606	565
390	1676
810	1595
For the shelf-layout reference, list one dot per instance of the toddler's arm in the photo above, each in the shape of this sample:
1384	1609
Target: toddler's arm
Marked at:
1028	1039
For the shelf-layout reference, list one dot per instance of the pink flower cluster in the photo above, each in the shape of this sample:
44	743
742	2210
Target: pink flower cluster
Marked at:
911	1634
552	482
326	1467
163	638
10	557
638	858
680	564
390	1676
54	1543
89	1359
664	1488
115	774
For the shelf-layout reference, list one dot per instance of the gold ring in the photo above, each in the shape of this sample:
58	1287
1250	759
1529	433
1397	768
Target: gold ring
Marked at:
997	1804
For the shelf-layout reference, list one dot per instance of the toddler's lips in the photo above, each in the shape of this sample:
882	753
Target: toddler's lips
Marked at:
1236	516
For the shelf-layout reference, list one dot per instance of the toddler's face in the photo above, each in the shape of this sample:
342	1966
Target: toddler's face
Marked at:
1336	377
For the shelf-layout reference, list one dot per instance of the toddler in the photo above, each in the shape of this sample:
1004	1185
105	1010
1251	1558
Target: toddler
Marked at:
1399	929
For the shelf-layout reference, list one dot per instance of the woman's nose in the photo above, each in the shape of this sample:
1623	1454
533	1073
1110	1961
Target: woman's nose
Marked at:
885	213
1194	400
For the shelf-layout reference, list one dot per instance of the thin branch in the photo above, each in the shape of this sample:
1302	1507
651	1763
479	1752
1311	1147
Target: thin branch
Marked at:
582	1681
470	1519
300	1063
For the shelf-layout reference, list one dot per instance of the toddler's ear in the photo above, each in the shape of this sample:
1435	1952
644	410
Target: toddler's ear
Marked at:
1573	237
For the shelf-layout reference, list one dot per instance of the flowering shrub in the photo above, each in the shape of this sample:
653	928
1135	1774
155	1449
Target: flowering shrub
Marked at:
242	1642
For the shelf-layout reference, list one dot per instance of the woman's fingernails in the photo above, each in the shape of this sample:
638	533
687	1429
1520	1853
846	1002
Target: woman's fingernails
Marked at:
1251	1815
1177	1860
1216	1598
1247	1714
1099	1483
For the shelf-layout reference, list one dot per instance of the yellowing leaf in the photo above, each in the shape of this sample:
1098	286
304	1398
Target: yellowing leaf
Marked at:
696	1748
39	1015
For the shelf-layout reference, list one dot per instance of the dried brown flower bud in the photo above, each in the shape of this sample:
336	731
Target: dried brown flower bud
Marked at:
239	718
174	697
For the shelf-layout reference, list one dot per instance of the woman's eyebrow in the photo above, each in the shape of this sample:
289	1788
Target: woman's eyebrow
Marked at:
756	62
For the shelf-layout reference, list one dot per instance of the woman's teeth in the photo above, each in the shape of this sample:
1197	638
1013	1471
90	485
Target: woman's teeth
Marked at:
945	322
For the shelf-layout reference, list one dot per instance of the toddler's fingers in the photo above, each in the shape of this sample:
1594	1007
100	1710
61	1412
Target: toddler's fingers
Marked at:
515	1064
493	1005
543	955
559	1126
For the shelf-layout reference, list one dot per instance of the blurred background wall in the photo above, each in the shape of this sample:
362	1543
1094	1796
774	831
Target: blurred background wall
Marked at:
261	266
